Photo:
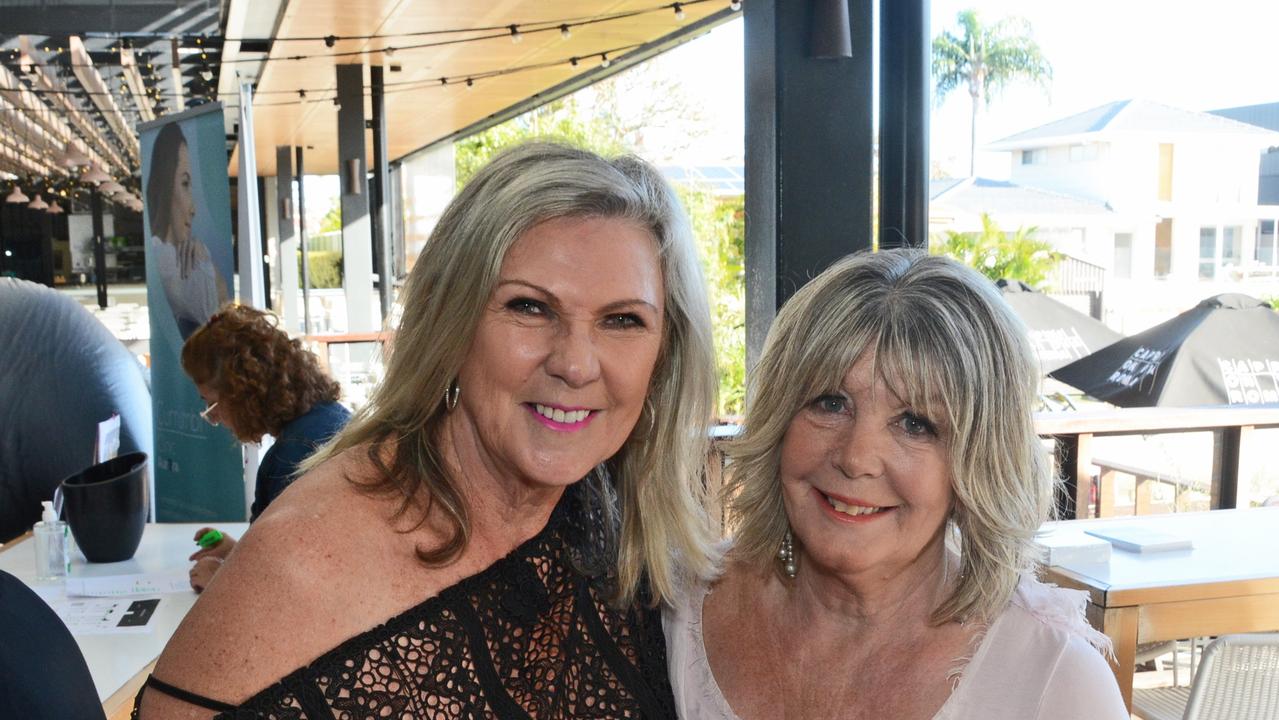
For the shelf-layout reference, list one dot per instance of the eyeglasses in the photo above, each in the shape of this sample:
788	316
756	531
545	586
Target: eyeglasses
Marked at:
204	414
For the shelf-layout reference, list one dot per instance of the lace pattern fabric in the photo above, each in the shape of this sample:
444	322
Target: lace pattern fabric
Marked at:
530	637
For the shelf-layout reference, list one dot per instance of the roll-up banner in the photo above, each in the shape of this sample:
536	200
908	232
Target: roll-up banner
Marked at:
198	467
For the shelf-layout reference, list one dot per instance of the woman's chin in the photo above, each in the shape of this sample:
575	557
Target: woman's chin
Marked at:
556	479
559	474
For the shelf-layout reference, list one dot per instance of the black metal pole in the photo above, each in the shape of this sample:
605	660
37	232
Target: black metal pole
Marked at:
905	59
380	214
264	234
809	142
306	262
99	247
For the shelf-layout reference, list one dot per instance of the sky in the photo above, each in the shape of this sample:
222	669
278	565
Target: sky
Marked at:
710	70
1190	54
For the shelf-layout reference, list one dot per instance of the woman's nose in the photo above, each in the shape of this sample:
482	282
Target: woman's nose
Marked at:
860	451
574	357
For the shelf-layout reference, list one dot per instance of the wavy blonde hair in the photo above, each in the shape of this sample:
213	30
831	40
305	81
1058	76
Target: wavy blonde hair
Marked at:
950	347
652	490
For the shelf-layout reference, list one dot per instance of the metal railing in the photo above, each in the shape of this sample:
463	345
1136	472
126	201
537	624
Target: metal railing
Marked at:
1073	276
1232	428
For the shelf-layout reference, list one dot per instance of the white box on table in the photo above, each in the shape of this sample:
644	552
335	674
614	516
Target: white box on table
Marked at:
1065	545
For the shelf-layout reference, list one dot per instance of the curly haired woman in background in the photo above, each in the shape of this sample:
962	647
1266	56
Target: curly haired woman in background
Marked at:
258	381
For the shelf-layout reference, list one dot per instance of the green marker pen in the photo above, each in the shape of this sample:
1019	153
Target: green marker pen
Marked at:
209	539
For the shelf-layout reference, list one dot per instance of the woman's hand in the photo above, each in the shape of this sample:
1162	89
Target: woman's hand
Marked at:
186	258
203	571
219	550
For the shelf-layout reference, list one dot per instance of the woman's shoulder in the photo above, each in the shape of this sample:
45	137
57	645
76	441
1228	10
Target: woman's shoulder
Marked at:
329	499
691	589
1043	638
696	692
1059	611
323	419
682	615
296	585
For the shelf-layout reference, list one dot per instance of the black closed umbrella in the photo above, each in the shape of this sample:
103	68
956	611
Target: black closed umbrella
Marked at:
1060	333
1223	351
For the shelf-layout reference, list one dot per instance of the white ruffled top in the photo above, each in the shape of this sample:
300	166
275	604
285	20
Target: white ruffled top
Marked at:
1039	660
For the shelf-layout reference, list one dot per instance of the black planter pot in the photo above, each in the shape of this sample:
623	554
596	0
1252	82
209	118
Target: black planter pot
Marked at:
106	507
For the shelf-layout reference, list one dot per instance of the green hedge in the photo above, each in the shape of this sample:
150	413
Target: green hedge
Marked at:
325	266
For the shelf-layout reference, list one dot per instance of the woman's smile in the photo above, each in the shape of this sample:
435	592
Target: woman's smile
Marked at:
850	510
562	419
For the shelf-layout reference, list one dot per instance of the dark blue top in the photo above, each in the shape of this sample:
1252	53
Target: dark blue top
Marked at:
297	440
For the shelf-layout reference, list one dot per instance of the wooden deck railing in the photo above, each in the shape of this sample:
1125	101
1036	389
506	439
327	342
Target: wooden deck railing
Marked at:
1232	428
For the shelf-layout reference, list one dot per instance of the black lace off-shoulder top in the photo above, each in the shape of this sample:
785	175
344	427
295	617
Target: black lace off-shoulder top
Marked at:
532	636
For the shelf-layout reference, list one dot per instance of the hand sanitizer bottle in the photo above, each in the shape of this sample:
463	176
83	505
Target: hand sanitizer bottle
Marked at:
53	560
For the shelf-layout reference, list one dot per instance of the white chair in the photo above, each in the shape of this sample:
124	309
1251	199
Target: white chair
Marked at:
1156	651
1238	679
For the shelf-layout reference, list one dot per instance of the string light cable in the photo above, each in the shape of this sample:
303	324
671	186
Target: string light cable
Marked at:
312	95
509	31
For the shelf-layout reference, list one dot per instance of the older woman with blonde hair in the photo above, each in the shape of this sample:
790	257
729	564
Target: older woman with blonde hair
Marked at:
885	491
491	534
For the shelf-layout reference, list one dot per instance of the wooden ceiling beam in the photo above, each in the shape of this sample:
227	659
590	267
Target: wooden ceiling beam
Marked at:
33	162
137	88
100	95
21	100
103	150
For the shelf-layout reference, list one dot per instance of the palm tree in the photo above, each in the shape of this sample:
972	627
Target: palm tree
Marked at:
984	58
998	254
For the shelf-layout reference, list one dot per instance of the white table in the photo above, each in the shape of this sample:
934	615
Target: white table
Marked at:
115	660
1228	583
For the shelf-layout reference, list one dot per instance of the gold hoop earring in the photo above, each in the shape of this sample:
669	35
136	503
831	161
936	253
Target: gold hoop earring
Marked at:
451	394
786	555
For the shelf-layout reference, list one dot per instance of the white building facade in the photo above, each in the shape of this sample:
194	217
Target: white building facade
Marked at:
1169	201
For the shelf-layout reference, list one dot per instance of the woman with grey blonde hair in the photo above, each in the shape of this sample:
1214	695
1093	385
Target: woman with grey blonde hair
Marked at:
491	535
885	490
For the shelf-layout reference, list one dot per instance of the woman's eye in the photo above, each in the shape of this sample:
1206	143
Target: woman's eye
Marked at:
625	321
830	404
915	425
526	306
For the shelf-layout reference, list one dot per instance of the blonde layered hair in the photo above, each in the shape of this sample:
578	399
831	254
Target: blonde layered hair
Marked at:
651	490
949	346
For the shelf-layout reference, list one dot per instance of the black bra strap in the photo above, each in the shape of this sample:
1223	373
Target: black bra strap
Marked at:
187	696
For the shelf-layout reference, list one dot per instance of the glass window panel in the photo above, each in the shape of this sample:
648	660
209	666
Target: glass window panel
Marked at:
1207	253
1266	242
1231	244
1123	255
1163	248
